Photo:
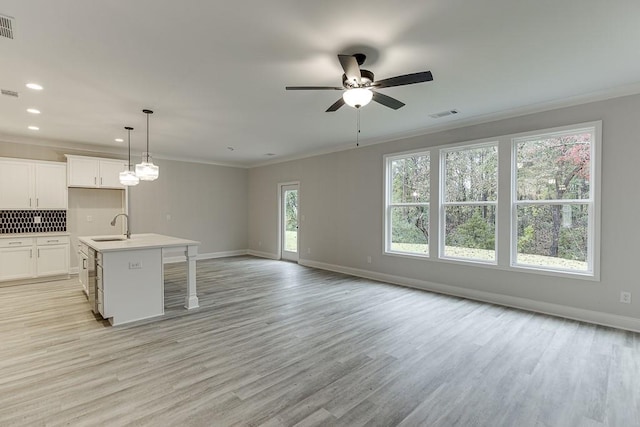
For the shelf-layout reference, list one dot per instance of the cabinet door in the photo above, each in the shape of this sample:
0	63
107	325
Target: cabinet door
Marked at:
16	263
82	172
16	185
53	259
51	186
110	173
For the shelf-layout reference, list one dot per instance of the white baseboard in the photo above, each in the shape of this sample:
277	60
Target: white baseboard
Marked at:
261	254
590	316
210	255
74	270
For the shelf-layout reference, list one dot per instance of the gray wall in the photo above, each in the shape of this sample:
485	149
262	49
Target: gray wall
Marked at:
341	198
195	201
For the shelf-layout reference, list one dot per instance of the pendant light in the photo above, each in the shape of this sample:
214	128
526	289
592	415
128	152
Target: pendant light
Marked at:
146	170
128	177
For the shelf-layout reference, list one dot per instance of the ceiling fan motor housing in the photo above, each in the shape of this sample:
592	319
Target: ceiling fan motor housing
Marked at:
366	78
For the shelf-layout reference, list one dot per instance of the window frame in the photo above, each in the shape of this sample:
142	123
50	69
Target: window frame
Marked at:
506	210
593	202
389	205
443	204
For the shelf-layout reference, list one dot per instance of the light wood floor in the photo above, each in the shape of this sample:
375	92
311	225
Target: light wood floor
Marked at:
275	344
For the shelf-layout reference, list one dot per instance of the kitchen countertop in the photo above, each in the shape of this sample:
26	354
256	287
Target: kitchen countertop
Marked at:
137	241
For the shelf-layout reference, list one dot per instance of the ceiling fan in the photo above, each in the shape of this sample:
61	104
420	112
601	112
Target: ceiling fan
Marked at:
358	84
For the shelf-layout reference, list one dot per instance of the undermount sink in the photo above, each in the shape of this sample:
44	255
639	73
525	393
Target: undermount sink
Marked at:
109	239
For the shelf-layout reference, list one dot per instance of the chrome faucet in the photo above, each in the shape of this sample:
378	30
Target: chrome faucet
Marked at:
113	223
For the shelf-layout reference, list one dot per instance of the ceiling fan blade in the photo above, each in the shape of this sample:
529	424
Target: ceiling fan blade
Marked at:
313	88
387	101
351	68
407	79
339	103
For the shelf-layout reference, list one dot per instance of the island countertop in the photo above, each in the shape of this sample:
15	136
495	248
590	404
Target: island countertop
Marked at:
137	241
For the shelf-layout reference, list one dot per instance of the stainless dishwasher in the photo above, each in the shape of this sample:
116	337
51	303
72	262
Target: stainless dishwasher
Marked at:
91	280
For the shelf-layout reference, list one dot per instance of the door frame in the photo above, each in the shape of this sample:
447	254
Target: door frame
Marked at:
281	187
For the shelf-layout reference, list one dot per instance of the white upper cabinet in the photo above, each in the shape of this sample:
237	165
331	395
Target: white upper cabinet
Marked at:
51	186
16	184
32	185
94	172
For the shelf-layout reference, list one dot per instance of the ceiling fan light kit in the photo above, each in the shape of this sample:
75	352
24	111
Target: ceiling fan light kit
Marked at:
146	170
357	97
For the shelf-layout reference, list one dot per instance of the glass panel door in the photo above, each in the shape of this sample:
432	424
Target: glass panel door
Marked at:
289	222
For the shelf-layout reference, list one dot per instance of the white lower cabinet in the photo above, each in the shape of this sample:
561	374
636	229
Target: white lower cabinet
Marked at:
25	258
16	259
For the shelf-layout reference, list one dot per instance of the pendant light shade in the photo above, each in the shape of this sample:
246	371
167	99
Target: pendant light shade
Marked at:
358	97
146	170
127	177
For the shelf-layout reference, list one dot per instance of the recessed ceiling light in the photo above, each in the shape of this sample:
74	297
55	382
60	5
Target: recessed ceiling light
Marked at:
230	148
270	154
33	111
34	128
34	86
119	140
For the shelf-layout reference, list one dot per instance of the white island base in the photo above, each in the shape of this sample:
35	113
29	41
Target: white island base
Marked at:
130	275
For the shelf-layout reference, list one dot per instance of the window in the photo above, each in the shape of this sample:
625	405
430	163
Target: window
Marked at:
553	201
469	200
407	211
544	218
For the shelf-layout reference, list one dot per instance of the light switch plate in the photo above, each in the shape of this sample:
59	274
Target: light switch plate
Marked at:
135	265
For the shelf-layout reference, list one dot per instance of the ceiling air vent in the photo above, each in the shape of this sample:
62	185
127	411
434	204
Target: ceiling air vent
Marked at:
9	92
443	114
6	26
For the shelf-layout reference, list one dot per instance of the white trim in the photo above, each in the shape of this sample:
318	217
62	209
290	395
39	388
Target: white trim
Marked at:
262	254
210	255
574	313
74	270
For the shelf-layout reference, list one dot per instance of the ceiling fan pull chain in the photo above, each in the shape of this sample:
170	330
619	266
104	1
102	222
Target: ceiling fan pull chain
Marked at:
358	128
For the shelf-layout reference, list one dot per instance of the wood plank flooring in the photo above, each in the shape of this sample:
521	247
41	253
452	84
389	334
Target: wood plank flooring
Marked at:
277	344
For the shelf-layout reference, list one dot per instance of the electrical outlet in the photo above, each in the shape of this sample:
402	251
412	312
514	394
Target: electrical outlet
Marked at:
369	259
625	297
135	265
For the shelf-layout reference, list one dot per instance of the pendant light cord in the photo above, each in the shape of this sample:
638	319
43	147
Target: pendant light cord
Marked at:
147	137
129	164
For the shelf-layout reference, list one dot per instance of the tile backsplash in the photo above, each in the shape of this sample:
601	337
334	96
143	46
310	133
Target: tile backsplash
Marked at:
18	221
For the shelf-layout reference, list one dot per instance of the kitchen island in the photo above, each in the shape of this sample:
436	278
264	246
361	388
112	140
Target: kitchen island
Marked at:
128	275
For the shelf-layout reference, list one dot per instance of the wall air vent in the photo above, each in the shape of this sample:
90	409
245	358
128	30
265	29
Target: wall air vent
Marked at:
443	114
9	92
6	26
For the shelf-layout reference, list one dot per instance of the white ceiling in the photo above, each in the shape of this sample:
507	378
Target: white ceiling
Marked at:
214	72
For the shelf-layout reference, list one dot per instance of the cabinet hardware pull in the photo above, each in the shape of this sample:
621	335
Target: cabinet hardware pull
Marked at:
95	180
52	241
30	253
38	253
29	201
100	180
37	202
84	263
15	243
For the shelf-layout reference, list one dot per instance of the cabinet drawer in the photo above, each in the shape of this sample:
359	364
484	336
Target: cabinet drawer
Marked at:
99	284
52	240
100	297
15	243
